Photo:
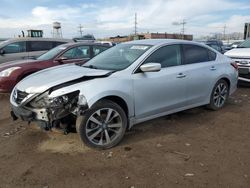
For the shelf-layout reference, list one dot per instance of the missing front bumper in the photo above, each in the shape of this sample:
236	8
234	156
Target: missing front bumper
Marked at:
21	113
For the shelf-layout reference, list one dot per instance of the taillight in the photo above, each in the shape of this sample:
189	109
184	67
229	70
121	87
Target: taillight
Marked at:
235	65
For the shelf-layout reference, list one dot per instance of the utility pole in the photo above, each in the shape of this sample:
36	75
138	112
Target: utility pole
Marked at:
183	23
136	24
224	32
80	29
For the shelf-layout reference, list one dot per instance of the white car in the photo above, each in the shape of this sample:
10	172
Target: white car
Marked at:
125	85
241	55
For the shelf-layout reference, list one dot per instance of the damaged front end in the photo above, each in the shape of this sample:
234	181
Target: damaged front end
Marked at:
49	112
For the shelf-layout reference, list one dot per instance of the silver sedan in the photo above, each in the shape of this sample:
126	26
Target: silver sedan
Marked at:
128	84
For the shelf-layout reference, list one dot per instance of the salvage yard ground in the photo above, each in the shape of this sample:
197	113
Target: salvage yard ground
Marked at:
195	148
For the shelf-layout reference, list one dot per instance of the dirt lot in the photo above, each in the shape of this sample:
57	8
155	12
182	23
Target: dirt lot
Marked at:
195	148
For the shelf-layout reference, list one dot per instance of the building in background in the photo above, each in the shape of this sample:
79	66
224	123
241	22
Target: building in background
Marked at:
34	33
167	36
247	31
141	36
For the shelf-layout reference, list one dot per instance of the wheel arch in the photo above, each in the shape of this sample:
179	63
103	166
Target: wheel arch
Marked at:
225	78
118	100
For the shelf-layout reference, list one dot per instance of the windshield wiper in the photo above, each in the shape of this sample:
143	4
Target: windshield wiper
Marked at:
90	66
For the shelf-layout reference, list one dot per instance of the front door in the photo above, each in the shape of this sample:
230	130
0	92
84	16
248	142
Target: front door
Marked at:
156	93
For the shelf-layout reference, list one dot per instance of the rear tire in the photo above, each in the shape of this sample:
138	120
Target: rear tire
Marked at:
219	95
103	126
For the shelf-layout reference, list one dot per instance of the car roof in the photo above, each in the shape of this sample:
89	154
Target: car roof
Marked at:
156	42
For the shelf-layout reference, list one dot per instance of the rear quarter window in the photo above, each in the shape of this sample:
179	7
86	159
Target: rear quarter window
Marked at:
212	55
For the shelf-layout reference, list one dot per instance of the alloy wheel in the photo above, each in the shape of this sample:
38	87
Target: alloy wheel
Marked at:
220	95
104	126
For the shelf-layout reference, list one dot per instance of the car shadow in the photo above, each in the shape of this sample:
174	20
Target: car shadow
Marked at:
176	124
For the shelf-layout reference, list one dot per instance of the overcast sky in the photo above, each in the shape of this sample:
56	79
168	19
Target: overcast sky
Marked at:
105	18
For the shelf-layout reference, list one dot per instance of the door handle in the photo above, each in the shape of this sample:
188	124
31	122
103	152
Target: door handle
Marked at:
213	68
181	75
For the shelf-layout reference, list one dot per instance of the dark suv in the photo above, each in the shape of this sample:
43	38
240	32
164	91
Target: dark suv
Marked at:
14	71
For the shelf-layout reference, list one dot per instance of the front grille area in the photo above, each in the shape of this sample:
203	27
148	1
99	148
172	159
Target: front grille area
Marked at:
20	95
244	76
242	61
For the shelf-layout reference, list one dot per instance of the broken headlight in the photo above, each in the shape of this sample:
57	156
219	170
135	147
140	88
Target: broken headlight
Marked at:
43	101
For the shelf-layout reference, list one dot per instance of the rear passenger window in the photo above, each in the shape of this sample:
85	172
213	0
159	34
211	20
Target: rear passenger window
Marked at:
195	54
167	56
40	45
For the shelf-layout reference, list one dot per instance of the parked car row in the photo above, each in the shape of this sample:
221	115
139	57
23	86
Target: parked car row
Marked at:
215	44
125	85
13	72
241	55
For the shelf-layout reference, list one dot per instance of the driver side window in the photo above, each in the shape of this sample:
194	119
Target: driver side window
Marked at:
167	56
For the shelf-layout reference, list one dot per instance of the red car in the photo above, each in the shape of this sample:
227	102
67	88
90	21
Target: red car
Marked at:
14	71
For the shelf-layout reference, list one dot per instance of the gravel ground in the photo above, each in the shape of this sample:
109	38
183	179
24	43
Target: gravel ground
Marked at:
194	148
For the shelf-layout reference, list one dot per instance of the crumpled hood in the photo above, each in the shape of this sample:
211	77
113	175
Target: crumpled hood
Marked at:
239	53
43	80
16	63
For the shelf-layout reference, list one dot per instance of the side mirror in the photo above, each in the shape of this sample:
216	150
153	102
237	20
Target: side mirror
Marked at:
151	67
61	59
2	52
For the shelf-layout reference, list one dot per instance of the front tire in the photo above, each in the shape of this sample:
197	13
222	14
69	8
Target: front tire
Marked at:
219	95
103	126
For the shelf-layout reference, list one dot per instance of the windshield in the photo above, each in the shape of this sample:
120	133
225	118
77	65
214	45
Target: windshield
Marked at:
245	44
51	53
118	57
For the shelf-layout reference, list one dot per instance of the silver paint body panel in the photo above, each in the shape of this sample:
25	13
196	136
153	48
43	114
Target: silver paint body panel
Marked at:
147	95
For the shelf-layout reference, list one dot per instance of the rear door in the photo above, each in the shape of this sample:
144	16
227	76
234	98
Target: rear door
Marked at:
14	51
202	71
159	92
